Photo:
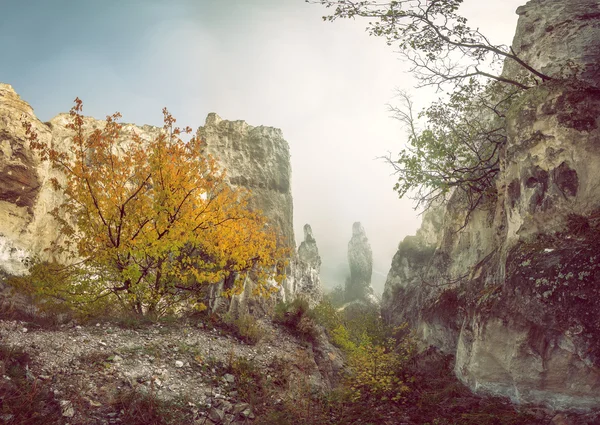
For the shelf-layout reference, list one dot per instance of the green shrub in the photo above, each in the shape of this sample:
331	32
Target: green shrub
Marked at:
290	313
327	315
336	297
376	353
378	370
245	327
298	317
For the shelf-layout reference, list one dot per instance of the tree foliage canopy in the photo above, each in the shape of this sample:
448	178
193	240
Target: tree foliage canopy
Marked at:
153	221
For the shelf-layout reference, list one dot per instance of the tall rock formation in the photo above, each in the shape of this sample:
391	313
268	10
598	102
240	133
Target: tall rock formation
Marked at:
308	252
256	158
306	277
360	259
515	294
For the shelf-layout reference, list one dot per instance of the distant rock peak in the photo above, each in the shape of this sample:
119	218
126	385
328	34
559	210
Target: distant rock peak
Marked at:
308	234
358	229
307	273
360	260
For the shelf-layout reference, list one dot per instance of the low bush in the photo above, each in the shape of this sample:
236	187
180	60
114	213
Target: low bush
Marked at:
245	327
298	317
137	408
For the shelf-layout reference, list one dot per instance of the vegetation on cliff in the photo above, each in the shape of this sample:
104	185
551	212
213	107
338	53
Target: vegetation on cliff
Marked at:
457	149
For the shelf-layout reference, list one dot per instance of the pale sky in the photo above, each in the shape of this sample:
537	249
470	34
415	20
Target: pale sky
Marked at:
268	62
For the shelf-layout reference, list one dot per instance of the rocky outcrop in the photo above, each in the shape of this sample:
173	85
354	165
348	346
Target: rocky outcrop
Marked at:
306	278
559	38
515	293
256	158
360	260
308	252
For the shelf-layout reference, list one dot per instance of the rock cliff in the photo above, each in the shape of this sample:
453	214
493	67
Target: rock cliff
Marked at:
256	158
515	294
25	196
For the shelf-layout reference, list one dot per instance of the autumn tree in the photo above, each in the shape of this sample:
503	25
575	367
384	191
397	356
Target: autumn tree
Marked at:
150	223
456	150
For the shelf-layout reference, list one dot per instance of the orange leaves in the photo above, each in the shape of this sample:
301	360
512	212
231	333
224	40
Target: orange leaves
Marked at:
157	214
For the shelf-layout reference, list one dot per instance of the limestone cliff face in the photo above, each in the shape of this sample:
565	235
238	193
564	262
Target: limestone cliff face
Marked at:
515	294
559	38
24	192
360	259
258	159
254	157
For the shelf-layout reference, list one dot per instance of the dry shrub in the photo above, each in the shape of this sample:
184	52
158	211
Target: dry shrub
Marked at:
146	409
245	327
23	399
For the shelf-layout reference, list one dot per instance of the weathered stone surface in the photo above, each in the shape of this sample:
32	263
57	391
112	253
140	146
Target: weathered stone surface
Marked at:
360	259
308	250
533	329
515	293
559	38
256	158
18	177
23	193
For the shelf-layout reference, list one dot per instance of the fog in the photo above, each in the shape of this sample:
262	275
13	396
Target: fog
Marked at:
268	62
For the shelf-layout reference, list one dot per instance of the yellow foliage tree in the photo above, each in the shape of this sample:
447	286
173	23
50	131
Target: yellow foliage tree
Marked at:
377	370
377	354
153	222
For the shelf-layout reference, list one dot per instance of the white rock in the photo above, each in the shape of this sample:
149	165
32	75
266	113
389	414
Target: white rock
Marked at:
67	408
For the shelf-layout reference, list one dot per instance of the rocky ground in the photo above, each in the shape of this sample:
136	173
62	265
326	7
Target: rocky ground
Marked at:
86	365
